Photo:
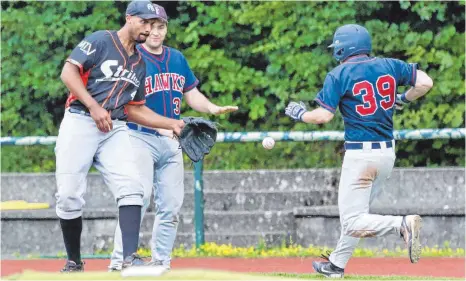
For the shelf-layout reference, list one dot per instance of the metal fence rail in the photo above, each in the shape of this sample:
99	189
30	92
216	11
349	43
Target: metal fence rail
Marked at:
421	134
448	133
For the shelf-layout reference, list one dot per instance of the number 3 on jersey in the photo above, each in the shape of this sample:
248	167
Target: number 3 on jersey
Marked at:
177	103
386	88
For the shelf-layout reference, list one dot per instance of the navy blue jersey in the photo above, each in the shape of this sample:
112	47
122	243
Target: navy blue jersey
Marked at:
168	76
111	77
364	89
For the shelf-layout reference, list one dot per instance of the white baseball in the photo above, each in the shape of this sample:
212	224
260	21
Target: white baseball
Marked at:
268	143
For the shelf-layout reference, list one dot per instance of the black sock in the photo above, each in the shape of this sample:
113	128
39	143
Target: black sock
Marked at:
71	230
130	223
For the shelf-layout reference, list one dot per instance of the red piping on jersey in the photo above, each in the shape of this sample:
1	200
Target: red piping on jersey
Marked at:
163	92
85	78
124	66
137	102
191	86
171	98
157	57
72	61
328	107
149	56
132	68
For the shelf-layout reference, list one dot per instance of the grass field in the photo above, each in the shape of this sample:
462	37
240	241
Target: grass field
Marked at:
200	275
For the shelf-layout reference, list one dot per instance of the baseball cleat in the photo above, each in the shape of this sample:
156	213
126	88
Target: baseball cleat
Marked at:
410	232
133	260
134	266
71	266
114	269
327	269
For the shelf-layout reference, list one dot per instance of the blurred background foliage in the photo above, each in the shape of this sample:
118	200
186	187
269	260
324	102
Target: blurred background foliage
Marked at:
257	55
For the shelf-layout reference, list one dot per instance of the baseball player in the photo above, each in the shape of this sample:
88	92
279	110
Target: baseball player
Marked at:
168	80
103	74
364	88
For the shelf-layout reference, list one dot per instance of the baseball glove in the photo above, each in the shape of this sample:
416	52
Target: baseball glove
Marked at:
197	137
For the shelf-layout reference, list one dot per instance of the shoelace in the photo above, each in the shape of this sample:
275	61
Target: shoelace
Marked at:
326	256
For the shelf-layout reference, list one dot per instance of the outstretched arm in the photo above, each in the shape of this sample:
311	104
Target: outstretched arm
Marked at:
298	112
197	101
143	115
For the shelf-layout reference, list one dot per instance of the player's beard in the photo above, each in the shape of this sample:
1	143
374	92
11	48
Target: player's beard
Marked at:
141	38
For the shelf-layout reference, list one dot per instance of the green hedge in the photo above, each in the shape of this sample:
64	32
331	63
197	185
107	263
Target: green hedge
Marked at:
257	55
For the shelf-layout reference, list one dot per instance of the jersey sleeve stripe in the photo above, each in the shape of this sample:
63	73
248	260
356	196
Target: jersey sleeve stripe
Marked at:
192	86
414	76
74	62
322	104
137	102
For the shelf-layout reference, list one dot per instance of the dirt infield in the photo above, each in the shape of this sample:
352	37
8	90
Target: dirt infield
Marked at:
427	267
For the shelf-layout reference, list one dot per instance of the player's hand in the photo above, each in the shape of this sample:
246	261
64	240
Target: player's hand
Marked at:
217	110
399	104
101	118
178	125
296	110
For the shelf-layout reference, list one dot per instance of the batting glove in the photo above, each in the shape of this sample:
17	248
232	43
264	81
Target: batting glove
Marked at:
401	101
296	110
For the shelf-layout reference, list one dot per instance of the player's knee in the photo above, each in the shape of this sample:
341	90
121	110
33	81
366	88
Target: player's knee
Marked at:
130	193
69	206
168	214
349	224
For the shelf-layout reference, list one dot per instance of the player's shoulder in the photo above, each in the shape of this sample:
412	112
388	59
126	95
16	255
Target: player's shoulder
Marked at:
391	60
174	52
100	35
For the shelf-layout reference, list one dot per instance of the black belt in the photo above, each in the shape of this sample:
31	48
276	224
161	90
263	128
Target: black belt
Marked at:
359	145
136	127
77	111
86	113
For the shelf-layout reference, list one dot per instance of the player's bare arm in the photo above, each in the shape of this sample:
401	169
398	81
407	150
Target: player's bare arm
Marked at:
73	81
318	116
144	116
423	84
197	101
298	112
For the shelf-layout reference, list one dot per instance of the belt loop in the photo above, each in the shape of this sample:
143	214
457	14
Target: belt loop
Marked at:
366	146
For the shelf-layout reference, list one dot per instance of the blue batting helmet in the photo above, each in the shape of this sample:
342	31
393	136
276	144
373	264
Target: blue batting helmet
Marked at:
350	40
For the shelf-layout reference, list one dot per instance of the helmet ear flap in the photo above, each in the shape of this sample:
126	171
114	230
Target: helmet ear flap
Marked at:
340	51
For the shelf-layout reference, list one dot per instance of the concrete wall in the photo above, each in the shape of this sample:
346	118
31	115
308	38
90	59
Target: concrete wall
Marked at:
243	206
